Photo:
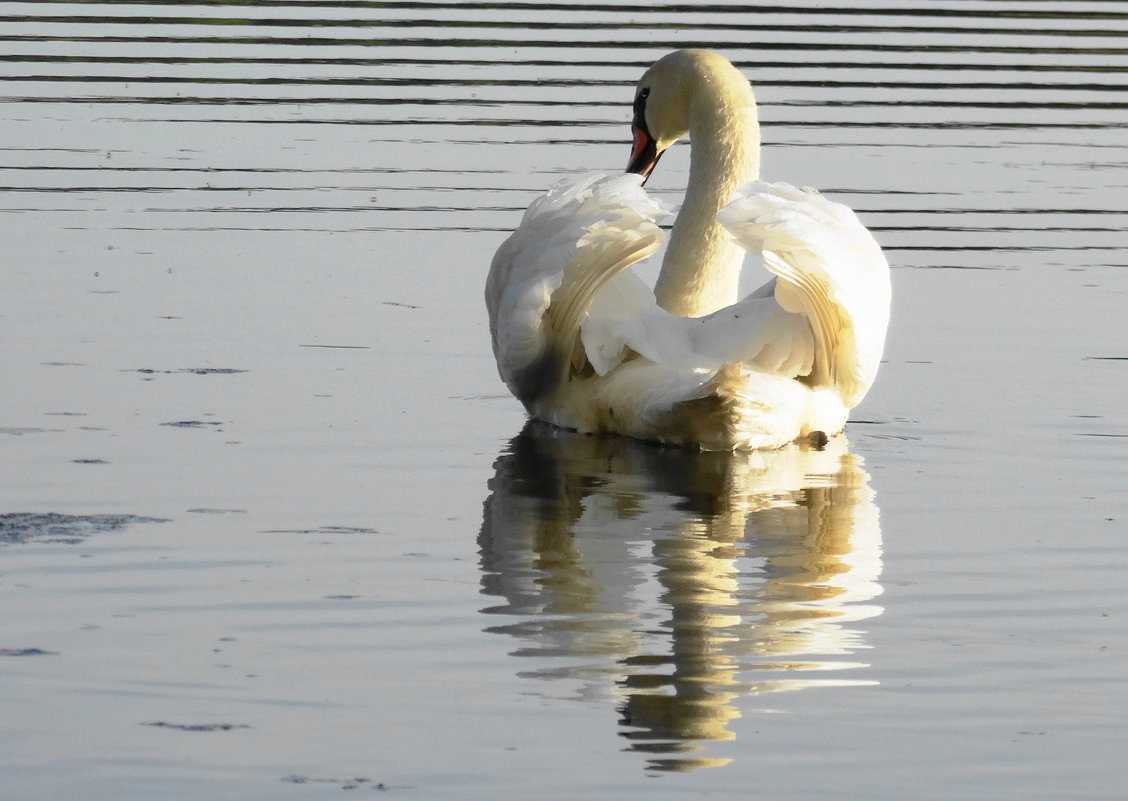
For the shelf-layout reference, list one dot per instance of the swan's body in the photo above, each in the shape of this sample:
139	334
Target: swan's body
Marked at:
585	344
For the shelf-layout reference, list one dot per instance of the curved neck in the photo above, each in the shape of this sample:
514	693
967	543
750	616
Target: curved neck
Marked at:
701	270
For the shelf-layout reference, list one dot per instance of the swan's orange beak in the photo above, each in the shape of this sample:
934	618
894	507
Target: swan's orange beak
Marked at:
644	153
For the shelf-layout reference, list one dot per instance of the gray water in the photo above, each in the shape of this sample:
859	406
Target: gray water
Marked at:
271	527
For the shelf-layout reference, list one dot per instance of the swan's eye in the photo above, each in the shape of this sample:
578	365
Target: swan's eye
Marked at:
640	103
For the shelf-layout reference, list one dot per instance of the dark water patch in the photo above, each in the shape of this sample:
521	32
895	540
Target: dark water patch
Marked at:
323	530
202	511
192	424
25	527
27	652
345	784
197	727
189	370
89	461
16	431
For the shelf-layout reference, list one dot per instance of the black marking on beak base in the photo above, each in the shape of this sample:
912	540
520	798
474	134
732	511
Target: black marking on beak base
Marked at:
644	152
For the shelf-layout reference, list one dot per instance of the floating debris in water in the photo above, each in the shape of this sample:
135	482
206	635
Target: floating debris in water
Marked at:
22	527
190	370
322	530
346	784
340	347
160	724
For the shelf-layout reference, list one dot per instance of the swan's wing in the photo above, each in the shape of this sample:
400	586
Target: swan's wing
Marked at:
830	269
570	243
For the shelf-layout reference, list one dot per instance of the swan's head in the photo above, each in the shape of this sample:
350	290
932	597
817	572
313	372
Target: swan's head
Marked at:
680	91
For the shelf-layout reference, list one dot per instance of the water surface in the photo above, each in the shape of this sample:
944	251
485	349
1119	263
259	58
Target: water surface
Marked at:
270	526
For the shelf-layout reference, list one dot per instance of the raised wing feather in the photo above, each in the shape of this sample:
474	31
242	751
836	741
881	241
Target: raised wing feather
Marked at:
570	242
830	269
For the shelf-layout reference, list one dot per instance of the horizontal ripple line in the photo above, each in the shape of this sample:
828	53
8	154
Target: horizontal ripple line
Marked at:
672	8
568	84
310	41
541	24
749	64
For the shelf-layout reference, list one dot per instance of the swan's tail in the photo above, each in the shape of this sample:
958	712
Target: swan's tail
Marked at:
830	269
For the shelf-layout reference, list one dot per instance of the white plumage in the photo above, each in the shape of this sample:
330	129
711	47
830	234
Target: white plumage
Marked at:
582	341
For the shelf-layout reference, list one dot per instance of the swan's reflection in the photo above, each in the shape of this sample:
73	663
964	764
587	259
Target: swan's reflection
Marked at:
674	582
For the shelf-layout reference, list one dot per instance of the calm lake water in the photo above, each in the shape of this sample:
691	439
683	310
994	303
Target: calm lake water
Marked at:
271	527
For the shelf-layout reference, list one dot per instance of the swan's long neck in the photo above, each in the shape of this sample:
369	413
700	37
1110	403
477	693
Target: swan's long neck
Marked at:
701	270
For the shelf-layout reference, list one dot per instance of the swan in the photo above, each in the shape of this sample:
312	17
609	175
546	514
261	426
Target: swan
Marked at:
585	344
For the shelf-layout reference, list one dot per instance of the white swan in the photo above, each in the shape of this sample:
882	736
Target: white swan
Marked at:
585	344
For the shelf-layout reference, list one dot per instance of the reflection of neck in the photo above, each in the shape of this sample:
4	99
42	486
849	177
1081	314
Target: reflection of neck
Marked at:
759	559
701	271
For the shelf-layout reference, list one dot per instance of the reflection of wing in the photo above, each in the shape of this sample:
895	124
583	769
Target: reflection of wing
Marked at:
675	581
